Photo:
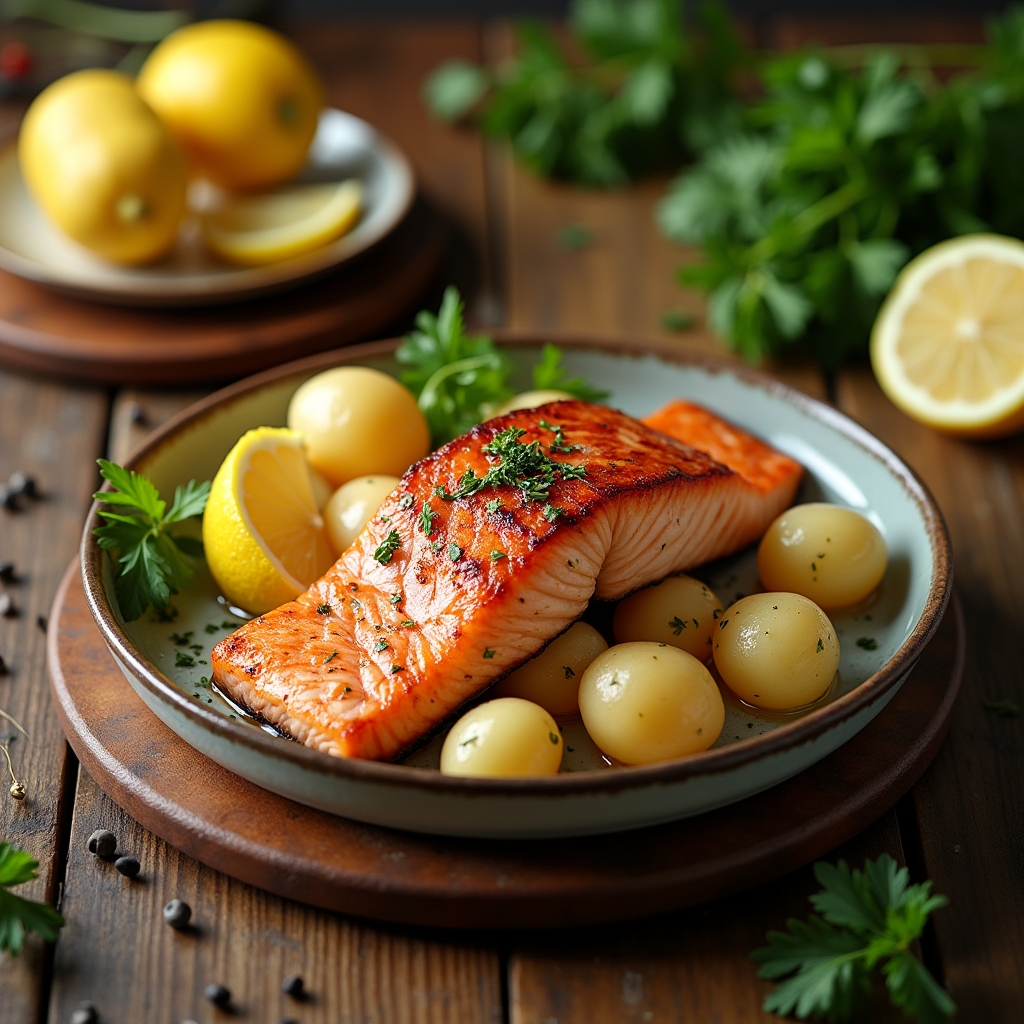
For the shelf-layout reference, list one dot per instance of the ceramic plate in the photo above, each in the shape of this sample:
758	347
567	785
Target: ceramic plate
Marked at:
166	658
344	147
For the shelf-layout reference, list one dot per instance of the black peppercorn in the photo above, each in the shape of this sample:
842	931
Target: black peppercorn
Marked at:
103	843
3	666
21	483
219	995
294	986
177	914
8	499
7	571
41	622
127	866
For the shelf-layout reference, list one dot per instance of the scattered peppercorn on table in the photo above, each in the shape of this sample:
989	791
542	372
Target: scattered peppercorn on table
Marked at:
164	938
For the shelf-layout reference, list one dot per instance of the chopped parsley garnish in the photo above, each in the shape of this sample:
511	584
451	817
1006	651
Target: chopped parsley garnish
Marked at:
408	622
496	554
396	598
406	501
397	668
391	543
868	643
488	653
552	512
454	552
330	657
182	660
527	467
723	623
469	739
553	737
569	673
385	519
493	506
348	689
821	644
323	609
427	517
677	625
182	639
380	645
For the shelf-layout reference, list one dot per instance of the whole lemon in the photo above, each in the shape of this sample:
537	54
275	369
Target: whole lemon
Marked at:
101	165
240	98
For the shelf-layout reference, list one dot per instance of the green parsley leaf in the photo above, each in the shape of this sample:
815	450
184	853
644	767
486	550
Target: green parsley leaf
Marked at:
454	89
391	543
325	609
549	375
427	517
20	916
496	554
867	643
454	552
151	557
488	653
381	645
868	917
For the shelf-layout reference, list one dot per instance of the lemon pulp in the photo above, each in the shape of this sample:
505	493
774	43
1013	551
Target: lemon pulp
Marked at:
264	537
948	345
253	230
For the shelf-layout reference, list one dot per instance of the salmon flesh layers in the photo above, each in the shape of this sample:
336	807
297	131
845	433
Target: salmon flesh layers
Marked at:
378	652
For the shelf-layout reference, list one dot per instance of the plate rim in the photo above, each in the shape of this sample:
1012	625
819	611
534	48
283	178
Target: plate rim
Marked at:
154	291
710	762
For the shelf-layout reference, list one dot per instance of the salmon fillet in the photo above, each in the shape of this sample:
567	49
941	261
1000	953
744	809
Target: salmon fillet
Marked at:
409	625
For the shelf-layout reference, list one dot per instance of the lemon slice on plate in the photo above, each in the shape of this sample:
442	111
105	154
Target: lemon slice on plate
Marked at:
253	230
264	538
948	344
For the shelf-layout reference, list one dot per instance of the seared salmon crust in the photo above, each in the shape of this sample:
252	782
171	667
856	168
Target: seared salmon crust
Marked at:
437	599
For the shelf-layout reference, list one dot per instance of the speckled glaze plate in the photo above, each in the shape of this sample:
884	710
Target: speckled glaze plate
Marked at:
344	147
166	658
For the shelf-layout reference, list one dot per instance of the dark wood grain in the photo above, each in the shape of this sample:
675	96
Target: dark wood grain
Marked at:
968	806
55	433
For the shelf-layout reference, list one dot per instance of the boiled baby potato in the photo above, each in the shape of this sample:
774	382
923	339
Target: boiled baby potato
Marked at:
503	738
353	505
831	554
530	400
358	422
776	651
552	678
647	702
680	611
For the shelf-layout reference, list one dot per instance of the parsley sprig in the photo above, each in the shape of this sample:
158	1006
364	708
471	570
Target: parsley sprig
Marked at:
868	918
151	556
459	380
19	916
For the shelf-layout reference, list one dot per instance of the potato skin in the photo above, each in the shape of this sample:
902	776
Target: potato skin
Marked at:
353	505
552	678
648	702
679	611
503	738
357	421
776	651
830	554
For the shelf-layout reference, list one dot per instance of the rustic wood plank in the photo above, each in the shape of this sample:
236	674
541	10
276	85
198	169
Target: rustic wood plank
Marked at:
376	71
690	967
53	433
968	805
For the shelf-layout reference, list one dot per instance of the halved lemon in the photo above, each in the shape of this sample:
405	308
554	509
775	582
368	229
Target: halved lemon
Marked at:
264	537
253	230
948	344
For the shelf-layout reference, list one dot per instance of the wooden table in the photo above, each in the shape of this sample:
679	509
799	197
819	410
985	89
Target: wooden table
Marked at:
962	825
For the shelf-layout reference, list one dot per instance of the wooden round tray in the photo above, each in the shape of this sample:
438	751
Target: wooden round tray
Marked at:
308	855
46	332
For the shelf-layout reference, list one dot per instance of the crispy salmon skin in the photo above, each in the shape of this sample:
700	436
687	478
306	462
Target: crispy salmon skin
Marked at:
438	597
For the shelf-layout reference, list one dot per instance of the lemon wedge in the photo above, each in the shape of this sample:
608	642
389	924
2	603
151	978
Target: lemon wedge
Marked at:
264	537
948	344
255	230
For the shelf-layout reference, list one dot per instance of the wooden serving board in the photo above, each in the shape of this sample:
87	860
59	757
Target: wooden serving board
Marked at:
45	332
308	855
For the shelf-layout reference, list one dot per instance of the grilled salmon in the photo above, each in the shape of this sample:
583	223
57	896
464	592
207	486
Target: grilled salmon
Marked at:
489	548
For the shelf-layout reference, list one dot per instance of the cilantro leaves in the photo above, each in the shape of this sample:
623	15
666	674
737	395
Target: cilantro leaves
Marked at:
868	918
151	556
459	380
18	916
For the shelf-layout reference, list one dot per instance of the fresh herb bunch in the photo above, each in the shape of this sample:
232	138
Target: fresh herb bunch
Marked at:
152	559
459	380
646	93
868	918
19	916
837	178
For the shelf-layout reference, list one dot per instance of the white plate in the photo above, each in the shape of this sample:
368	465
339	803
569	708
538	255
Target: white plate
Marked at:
755	751
344	147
